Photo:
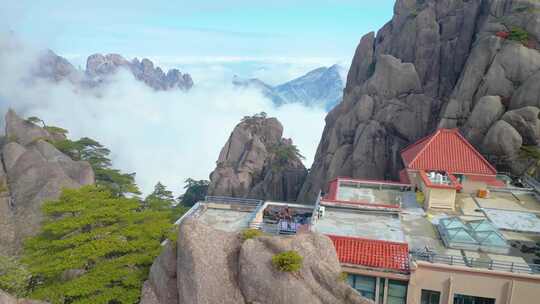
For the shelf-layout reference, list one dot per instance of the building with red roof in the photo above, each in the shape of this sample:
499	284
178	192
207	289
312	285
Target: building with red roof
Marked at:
442	164
377	254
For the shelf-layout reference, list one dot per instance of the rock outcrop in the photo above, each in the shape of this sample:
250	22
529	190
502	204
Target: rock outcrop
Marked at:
7	299
32	171
99	67
256	162
211	266
451	64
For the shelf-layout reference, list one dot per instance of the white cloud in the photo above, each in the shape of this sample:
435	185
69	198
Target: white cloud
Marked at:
163	136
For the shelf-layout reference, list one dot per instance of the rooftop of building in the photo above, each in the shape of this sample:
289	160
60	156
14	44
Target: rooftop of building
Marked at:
224	213
501	231
364	194
511	235
446	150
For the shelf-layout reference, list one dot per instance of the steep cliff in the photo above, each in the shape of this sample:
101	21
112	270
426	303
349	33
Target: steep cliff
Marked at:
256	162
212	266
472	65
31	172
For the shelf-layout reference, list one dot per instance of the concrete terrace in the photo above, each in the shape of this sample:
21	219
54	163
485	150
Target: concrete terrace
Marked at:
346	222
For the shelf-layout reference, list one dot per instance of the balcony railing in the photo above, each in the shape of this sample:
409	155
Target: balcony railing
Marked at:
476	263
229	200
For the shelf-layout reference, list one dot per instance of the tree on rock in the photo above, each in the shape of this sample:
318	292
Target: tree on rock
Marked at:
97	155
196	191
95	247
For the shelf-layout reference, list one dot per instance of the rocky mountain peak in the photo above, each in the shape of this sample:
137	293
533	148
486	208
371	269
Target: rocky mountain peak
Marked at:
32	171
256	162
453	64
320	87
100	66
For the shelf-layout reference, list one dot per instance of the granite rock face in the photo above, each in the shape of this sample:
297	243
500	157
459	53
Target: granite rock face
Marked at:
33	171
253	163
435	64
214	266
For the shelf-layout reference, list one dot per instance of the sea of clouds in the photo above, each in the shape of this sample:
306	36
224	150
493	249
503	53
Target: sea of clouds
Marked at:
162	136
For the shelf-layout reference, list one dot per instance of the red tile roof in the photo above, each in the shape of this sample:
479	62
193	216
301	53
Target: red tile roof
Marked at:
372	253
446	150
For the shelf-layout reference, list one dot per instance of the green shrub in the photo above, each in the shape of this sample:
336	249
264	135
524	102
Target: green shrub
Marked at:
288	261
251	234
343	276
14	277
519	34
3	187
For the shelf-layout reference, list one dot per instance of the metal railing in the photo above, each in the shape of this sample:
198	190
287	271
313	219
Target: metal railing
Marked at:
228	200
476	263
190	212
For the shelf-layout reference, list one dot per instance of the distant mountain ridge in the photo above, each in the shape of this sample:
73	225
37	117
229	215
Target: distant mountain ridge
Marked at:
322	86
100	67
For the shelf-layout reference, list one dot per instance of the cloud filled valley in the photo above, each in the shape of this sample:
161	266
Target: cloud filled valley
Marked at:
164	136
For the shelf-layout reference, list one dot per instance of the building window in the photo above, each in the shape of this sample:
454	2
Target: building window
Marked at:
381	290
430	297
363	284
397	292
463	299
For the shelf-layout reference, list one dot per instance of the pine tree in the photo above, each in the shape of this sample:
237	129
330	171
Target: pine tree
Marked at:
111	240
196	191
160	198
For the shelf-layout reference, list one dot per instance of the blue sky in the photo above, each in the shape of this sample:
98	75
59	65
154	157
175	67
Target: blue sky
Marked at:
194	29
274	41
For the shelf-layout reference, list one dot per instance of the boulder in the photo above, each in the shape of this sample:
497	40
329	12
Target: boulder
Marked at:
527	122
218	267
502	140
486	111
528	94
317	282
207	265
393	78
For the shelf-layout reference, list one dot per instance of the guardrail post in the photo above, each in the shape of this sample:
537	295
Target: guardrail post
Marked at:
512	267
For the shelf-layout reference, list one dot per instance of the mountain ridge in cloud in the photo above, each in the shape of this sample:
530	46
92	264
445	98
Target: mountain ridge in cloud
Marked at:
164	136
